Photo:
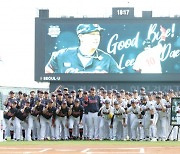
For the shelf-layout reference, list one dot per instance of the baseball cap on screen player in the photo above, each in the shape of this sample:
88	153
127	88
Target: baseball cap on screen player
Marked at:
88	28
147	42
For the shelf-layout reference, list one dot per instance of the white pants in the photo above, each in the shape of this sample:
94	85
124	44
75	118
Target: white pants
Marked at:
149	127
36	127
74	124
18	129
161	127
105	130
93	125
134	127
7	126
119	131
61	131
44	123
85	125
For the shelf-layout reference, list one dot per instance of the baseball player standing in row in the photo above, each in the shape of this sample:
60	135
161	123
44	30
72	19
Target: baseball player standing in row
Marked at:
105	123
136	119
161	120
94	104
61	121
85	115
75	120
36	112
119	119
48	118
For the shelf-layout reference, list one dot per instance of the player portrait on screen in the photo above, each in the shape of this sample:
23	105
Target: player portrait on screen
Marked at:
86	58
148	61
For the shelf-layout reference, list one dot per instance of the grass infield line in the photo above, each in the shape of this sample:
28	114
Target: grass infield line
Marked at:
91	143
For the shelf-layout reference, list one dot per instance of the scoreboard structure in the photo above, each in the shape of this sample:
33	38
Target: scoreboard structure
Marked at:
122	39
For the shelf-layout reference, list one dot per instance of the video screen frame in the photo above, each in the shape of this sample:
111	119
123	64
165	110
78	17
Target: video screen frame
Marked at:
40	75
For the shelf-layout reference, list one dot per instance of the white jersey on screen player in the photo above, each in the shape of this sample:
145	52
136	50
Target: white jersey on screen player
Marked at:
148	61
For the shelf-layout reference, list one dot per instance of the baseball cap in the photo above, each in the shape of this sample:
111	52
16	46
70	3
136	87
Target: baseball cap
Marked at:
142	89
133	101
118	95
85	92
147	42
24	95
53	95
88	28
80	90
143	98
32	91
70	96
77	100
11	92
40	92
127	93
20	93
28	101
104	91
135	91
122	91
116	102
92	88
166	94
150	93
64	101
50	101
65	89
107	101
158	97
102	88
154	92
130	94
73	91
109	92
160	92
46	92
59	91
14	102
114	91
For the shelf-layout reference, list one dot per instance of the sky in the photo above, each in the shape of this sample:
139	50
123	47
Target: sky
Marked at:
17	32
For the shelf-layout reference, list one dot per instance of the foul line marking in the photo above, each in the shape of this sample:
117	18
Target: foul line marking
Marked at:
141	151
44	150
87	150
65	150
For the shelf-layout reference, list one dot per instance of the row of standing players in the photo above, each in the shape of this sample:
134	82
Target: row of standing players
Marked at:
89	115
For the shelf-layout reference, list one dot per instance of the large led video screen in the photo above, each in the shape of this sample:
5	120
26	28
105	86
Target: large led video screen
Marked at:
107	49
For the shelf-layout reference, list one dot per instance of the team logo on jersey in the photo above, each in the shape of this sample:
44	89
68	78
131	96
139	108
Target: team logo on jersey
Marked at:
54	31
67	64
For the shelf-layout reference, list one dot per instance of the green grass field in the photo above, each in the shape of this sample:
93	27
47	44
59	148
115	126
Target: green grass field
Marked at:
86	143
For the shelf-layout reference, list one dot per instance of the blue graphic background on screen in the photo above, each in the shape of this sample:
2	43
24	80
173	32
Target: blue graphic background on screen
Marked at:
113	41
